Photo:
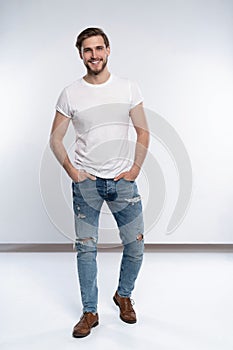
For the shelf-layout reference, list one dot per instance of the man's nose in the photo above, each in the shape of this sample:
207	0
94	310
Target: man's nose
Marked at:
93	53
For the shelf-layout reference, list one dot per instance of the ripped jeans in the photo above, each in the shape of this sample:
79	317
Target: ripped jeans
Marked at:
125	205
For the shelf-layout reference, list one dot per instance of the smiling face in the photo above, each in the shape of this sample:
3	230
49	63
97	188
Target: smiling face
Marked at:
94	54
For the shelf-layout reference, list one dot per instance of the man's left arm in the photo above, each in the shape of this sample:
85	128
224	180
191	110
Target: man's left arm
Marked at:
139	121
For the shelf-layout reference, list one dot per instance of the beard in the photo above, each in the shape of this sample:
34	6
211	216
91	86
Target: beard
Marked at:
97	71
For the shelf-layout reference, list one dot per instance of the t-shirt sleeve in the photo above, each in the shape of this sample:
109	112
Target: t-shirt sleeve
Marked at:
63	105
135	95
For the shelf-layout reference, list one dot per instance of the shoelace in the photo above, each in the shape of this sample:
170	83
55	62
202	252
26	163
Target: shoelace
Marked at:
128	304
132	301
84	317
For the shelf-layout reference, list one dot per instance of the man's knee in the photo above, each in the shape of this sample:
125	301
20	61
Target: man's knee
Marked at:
86	247
135	248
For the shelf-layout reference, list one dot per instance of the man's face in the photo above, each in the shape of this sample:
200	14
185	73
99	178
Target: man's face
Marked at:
94	54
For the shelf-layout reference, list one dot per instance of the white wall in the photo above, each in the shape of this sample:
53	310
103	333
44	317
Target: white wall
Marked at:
181	54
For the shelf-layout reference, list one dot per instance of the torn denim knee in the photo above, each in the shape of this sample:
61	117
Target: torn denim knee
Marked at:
85	244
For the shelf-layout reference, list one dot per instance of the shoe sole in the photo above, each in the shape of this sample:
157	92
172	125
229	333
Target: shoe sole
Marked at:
85	335
124	320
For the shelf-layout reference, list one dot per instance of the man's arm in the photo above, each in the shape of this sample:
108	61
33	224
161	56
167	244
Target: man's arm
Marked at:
138	117
59	128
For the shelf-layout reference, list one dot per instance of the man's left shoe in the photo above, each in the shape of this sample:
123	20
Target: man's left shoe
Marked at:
127	313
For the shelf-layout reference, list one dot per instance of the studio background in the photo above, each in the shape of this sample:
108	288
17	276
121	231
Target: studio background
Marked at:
181	55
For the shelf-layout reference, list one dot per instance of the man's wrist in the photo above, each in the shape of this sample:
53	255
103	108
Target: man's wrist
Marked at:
71	170
135	169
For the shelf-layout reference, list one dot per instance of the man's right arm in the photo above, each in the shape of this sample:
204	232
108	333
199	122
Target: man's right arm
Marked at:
59	129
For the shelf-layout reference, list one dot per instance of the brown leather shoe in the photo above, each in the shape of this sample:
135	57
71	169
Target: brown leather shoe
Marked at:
83	327
127	313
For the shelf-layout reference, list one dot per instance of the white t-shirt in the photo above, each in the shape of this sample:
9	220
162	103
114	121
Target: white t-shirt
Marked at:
100	116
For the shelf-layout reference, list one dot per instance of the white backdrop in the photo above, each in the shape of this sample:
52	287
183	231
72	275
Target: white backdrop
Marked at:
180	53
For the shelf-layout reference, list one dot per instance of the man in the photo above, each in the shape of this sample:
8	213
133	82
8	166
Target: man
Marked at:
101	106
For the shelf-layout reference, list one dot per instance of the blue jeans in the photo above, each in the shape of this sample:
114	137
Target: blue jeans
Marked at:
124	202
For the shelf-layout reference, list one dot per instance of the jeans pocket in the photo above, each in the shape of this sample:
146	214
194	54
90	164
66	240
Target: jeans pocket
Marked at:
128	180
81	182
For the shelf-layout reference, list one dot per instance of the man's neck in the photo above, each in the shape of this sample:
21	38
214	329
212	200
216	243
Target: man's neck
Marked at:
97	79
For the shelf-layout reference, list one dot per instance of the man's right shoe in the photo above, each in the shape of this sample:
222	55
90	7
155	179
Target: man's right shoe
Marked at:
83	327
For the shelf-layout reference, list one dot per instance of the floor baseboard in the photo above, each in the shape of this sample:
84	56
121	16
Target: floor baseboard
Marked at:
156	247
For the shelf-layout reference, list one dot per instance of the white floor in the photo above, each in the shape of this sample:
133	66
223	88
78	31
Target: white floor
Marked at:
184	301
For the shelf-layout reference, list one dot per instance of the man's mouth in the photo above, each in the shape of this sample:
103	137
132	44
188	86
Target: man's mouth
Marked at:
95	62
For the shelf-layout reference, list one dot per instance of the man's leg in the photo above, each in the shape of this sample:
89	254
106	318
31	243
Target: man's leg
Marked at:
87	273
87	204
127	210
130	266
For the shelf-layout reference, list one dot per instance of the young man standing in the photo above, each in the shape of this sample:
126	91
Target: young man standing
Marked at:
100	106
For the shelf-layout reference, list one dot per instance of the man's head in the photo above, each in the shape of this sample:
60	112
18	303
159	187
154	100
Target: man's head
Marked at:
94	49
89	32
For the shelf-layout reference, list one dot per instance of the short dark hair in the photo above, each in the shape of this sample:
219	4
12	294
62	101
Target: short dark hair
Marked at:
87	33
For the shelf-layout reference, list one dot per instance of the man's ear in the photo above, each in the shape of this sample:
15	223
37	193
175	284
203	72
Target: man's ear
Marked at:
108	50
